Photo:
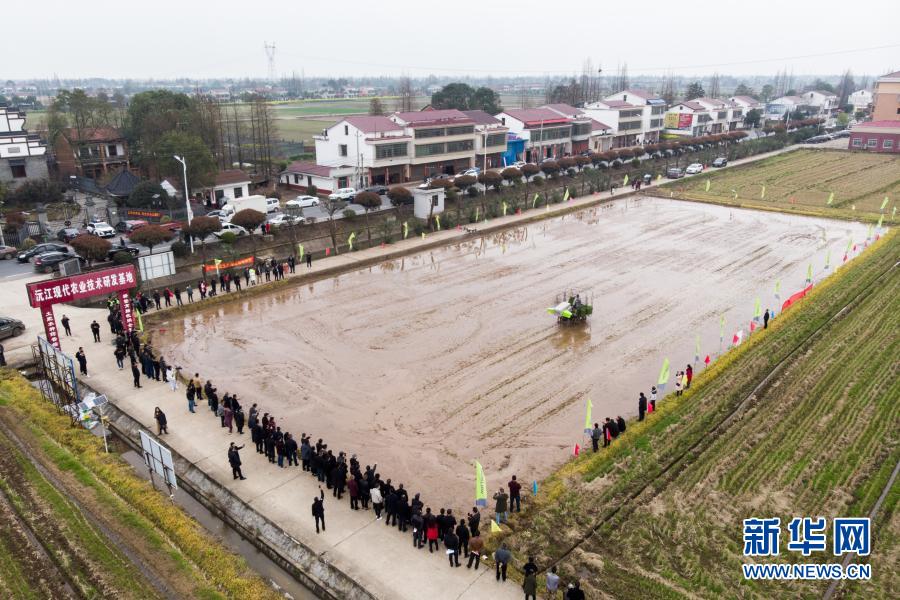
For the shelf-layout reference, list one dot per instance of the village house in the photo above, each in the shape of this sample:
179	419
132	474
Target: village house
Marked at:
23	156
93	152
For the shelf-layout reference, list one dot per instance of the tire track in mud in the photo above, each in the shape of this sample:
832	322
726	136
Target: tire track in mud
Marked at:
655	485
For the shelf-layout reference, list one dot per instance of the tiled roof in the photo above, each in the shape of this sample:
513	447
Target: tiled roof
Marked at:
618	104
373	124
693	105
643	94
598	126
93	134
747	99
481	118
535	115
428	117
122	183
713	101
564	109
891	75
309	168
231	176
879	124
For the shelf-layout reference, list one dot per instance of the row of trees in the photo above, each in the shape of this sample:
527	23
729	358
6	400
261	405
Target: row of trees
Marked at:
159	124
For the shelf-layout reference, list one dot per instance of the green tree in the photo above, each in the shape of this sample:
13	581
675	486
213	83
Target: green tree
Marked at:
90	247
768	91
369	201
33	192
753	118
399	195
843	119
201	167
694	90
462	96
820	85
151	235
148	194
744	90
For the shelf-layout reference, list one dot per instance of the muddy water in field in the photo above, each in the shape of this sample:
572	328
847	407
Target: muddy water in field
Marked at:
425	363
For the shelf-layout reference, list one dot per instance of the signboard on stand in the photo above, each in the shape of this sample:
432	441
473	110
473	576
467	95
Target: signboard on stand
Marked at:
152	266
159	460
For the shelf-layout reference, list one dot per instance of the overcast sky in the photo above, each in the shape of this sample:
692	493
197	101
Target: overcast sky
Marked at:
206	38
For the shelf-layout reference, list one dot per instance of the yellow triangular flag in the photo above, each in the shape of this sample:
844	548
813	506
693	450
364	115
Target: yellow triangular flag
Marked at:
762	193
494	527
707	185
625	181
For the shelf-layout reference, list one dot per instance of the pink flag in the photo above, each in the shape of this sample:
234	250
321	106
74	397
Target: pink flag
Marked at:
752	326
577	449
706	360
327	251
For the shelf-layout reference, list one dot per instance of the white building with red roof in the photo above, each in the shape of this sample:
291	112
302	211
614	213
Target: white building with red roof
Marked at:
442	142
653	109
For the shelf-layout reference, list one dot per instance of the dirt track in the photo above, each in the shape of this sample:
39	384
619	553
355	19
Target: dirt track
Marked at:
425	363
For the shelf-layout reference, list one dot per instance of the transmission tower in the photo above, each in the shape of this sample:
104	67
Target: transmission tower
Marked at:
270	55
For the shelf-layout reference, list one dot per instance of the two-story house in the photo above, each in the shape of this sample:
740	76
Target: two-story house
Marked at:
91	152
653	110
359	151
23	156
886	101
490	139
824	103
689	118
546	133
443	141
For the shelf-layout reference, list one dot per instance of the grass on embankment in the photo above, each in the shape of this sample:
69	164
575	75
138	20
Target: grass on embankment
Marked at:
800	182
819	439
164	536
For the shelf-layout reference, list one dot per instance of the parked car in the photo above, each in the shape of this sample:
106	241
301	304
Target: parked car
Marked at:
674	173
302	202
7	252
473	172
67	234
816	139
842	133
424	185
10	327
49	261
346	194
130	225
381	190
131	249
284	219
101	229
216	213
273	205
720	161
235	229
25	255
519	164
694	168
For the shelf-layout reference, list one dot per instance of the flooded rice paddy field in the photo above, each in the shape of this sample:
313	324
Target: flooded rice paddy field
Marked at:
425	363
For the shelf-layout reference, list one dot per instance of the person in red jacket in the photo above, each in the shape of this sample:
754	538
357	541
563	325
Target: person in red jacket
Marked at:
515	489
689	373
431	530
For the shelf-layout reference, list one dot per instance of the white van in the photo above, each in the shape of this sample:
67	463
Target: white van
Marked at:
273	205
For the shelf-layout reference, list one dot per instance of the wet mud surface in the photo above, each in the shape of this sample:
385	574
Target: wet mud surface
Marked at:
425	363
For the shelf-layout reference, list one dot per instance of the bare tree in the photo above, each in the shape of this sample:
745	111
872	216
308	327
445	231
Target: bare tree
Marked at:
405	103
331	207
714	85
668	90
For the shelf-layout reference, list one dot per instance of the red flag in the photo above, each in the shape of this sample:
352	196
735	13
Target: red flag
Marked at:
649	407
577	449
752	326
734	340
845	258
706	360
327	251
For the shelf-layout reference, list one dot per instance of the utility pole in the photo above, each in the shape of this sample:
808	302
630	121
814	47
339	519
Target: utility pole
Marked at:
187	198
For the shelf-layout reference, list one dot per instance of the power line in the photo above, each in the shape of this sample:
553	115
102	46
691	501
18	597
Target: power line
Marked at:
541	72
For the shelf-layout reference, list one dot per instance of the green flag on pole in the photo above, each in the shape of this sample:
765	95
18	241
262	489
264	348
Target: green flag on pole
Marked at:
480	486
140	321
869	232
827	259
757	310
830	198
721	328
762	193
566	195
778	288
587	417
663	375
707	185
534	202
658	176
476	213
300	251
437	220
350	240
505	206
625	181
893	213
809	272
880	220
697	349
217	262
884	204
405	229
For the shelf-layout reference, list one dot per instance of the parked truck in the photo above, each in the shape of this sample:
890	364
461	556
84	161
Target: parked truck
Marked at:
234	205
